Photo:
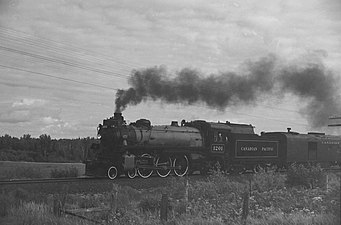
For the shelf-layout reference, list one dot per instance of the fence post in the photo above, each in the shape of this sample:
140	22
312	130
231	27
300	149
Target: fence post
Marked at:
245	212
250	184
113	202
327	183
164	207
57	211
186	194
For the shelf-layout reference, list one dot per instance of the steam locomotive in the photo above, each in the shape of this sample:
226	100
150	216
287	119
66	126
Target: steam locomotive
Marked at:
141	149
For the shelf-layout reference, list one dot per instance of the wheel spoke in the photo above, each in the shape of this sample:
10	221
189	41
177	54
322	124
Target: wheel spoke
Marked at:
181	165
145	172
165	163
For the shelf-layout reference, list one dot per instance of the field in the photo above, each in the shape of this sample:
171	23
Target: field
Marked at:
26	170
301	196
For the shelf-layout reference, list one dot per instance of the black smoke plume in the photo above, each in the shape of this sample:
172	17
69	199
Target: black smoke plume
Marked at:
311	82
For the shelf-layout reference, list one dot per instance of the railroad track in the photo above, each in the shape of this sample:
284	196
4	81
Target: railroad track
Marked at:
47	180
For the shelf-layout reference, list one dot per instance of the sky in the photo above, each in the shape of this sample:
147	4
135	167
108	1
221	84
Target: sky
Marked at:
62	61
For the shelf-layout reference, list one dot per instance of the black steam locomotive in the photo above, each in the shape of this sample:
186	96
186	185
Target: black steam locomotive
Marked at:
140	148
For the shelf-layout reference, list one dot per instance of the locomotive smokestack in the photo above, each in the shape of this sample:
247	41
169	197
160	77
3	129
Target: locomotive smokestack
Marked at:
117	114
118	118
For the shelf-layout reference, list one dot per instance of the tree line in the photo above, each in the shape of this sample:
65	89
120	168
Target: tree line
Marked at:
45	149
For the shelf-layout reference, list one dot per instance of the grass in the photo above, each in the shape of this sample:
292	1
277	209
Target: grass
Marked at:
215	201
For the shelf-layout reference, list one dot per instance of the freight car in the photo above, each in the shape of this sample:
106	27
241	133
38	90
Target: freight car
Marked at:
140	148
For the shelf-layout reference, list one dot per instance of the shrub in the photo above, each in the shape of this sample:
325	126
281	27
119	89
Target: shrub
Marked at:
149	204
307	176
176	187
294	219
69	172
6	204
31	213
16	155
126	195
266	181
88	201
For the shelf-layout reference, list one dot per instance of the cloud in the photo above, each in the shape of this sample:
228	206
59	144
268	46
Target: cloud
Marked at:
27	110
16	116
212	35
29	102
22	110
50	120
60	128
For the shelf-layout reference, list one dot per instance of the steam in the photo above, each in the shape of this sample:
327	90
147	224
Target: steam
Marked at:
267	76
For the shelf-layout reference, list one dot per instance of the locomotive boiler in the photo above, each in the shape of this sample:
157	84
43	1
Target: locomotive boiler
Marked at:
141	148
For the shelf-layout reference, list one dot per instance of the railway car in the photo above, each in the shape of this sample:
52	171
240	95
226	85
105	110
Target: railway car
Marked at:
141	148
309	148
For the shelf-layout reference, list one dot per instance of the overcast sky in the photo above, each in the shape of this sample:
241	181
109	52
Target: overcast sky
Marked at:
62	61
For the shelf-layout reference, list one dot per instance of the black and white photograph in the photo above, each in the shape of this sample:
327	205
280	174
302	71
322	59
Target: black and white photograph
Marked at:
148	112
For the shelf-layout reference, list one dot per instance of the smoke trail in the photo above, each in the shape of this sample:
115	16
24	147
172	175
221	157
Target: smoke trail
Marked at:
266	76
318	87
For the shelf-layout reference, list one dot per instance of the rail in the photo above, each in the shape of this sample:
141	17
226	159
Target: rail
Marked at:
46	180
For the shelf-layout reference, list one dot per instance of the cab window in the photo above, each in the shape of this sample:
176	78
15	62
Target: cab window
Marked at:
219	137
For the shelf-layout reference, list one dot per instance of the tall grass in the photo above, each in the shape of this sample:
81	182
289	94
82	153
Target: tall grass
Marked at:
305	175
214	201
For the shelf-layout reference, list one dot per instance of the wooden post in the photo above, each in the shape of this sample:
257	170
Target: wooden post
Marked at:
250	185
245	212
57	206
164	208
186	194
327	183
113	202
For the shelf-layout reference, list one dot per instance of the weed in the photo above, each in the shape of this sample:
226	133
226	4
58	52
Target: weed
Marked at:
305	175
149	204
6	204
214	201
266	181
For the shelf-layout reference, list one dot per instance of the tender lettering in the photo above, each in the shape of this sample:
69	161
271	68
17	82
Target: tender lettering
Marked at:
267	149
254	149
249	149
